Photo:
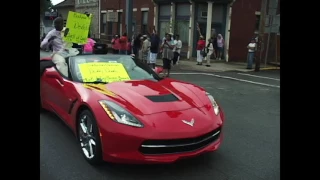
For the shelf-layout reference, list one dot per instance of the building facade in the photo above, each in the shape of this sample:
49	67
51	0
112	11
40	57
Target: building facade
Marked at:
64	7
236	20
92	7
112	19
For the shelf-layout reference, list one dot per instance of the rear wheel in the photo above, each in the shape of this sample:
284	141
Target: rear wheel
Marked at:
89	138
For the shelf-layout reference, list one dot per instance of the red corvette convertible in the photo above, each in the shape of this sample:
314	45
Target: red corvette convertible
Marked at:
121	111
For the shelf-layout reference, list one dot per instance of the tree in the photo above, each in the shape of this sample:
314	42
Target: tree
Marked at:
45	5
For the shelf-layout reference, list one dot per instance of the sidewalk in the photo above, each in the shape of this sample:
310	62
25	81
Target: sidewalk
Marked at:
216	66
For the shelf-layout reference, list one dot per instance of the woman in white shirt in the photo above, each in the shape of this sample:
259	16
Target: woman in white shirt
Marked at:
210	51
177	49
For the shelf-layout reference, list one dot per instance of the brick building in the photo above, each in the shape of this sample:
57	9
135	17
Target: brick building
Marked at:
143	14
236	20
64	7
92	7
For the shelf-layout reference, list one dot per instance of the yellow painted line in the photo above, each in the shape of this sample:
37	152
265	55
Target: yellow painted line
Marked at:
270	68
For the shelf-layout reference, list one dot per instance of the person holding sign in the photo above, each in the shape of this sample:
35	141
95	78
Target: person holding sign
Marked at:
54	38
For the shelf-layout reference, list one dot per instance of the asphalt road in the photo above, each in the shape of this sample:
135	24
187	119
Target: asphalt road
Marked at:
250	151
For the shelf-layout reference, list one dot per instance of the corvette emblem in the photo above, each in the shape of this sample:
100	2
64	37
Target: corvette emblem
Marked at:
190	123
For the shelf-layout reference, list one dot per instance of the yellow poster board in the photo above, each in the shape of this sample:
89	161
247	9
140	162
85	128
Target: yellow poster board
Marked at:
78	25
105	72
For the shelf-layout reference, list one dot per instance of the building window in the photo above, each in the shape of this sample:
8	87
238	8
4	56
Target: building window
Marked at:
120	23
164	28
182	28
144	27
110	29
85	1
103	27
164	19
257	25
181	23
120	17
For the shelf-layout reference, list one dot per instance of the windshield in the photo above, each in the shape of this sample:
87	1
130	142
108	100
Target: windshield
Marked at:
108	68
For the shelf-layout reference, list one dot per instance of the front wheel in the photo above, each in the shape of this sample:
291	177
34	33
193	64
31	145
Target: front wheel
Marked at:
88	137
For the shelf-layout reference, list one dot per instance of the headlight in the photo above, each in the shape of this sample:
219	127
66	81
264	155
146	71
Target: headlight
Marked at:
214	104
118	114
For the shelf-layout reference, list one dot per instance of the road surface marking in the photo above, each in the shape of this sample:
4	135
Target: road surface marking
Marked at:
263	77
227	77
270	68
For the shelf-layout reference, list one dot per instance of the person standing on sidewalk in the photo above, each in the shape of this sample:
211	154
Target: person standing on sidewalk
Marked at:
154	48
251	52
145	49
129	47
136	45
177	49
220	44
123	44
167	54
115	44
200	49
210	51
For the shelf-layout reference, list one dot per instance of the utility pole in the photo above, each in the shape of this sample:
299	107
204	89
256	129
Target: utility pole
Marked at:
129	14
263	13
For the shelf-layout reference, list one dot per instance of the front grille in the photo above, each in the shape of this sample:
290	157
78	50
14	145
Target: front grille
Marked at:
157	147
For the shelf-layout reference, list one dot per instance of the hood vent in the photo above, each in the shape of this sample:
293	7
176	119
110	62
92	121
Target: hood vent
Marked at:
163	98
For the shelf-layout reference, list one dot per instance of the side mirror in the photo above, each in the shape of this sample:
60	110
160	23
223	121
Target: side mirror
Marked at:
158	70
54	75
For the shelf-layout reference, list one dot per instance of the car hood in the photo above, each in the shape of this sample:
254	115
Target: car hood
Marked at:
148	97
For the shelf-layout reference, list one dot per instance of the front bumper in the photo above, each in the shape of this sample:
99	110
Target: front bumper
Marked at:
124	144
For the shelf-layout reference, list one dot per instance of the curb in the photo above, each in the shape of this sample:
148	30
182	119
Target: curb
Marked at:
270	68
215	71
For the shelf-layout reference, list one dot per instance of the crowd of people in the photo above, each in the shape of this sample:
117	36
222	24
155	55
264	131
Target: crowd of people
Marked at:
147	48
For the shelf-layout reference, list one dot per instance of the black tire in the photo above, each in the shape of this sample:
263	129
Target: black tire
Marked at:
97	158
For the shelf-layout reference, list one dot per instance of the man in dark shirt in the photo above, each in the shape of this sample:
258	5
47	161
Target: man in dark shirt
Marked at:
154	48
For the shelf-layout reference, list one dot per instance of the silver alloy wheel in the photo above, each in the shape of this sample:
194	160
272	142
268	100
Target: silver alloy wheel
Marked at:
86	137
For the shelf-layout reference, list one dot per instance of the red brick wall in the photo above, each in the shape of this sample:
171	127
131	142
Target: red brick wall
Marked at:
242	28
121	4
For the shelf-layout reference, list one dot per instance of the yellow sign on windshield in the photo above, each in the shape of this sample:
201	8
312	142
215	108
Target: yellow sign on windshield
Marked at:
78	25
105	72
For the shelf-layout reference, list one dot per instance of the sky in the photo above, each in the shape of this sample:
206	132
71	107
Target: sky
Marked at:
54	2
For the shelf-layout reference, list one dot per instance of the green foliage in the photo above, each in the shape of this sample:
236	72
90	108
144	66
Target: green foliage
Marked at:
45	5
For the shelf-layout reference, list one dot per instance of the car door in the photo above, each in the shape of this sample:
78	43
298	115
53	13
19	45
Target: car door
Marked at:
59	93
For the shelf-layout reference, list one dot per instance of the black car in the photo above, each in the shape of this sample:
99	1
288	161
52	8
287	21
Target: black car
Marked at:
100	48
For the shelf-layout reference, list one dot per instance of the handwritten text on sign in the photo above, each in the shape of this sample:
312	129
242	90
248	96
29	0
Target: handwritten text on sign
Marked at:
78	25
105	72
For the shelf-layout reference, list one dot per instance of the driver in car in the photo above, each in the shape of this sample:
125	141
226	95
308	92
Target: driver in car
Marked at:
54	37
